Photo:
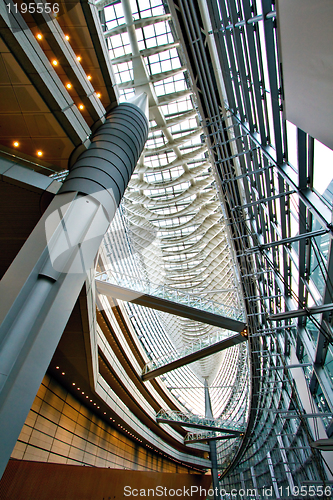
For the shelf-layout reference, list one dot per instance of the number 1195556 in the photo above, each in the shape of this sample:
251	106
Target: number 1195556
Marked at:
40	8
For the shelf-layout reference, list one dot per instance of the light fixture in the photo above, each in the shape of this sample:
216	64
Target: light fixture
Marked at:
99	94
89	77
81	106
78	58
39	36
55	62
69	85
67	37
40	153
63	373
16	144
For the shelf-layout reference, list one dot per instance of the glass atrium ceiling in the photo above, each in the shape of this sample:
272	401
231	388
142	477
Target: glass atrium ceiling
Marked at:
276	186
170	226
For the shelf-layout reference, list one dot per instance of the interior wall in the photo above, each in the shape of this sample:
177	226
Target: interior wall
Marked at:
24	480
60	429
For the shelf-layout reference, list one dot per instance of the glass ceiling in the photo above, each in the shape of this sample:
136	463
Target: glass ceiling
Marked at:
170	225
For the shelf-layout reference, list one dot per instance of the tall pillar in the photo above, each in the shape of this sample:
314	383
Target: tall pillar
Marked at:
40	288
212	446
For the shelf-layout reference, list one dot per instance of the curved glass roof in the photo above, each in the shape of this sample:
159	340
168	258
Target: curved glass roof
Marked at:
171	221
277	197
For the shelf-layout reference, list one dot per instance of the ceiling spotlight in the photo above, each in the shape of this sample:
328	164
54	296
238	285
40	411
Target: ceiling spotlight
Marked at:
81	106
55	62
79	58
16	144
39	36
67	37
40	153
69	85
99	94
89	77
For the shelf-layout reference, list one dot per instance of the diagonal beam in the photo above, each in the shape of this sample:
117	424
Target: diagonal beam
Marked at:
138	23
169	306
195	356
296	313
288	241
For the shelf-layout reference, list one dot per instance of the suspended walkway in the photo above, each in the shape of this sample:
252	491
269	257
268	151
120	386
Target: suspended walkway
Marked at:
166	299
182	419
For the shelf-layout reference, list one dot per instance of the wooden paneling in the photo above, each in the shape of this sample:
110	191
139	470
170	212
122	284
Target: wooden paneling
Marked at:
25	480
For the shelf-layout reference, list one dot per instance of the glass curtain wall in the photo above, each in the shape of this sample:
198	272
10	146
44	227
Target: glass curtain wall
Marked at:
281	231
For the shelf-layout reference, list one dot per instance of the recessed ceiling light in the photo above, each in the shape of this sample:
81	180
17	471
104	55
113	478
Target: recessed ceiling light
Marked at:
40	153
89	77
99	94
55	62
78	58
67	37
16	144
81	106
39	36
69	85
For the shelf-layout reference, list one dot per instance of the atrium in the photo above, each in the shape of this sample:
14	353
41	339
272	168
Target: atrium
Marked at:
166	248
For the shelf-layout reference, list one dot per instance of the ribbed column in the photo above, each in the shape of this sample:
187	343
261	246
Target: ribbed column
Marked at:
105	168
